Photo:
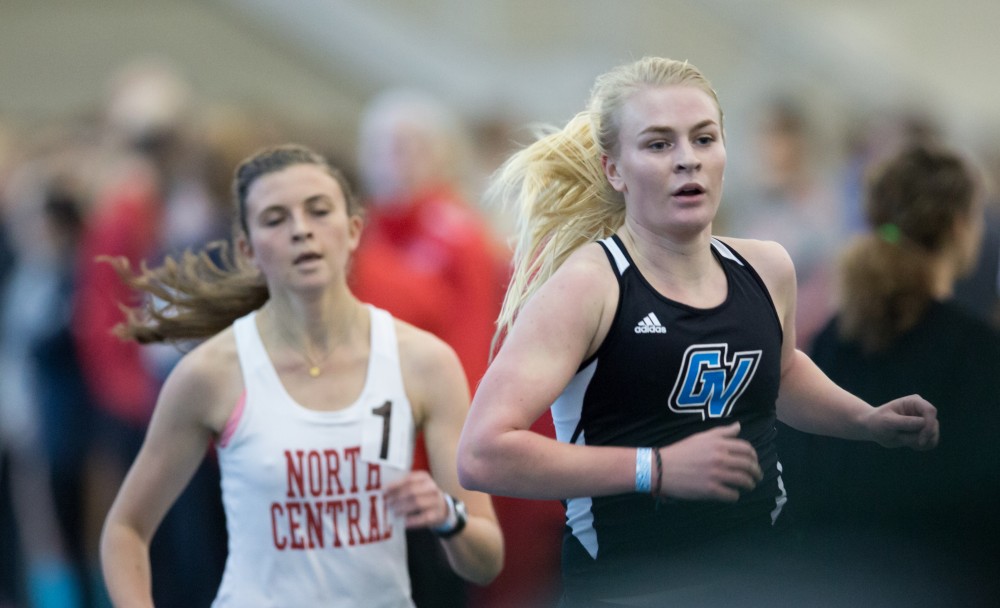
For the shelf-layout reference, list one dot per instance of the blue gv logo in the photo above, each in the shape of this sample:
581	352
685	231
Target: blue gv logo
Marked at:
711	381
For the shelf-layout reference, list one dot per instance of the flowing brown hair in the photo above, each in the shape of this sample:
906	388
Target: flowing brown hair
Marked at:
198	294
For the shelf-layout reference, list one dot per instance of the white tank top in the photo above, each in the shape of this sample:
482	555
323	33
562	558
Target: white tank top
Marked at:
302	489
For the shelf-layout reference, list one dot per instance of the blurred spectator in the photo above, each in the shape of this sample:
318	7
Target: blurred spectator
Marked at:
441	257
154	200
871	138
926	516
979	292
429	258
790	202
6	255
43	219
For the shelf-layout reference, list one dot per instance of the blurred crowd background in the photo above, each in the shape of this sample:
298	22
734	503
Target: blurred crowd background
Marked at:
121	123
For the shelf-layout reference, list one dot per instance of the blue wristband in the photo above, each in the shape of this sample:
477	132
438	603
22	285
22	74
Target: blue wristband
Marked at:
643	470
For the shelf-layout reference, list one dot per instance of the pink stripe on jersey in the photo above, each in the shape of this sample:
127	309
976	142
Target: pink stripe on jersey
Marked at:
233	422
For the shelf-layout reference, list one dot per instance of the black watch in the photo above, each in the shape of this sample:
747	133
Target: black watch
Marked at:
458	507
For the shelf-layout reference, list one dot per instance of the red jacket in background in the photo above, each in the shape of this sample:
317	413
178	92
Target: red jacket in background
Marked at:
124	225
434	263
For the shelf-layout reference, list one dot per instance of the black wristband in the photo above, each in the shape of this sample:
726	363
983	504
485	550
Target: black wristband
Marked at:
458	507
658	486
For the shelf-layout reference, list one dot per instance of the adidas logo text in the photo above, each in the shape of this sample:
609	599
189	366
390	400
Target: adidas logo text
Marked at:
650	325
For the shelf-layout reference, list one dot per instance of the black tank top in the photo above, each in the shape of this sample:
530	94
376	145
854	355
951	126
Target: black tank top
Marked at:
665	371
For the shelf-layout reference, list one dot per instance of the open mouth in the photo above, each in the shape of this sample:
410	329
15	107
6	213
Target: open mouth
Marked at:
307	257
689	190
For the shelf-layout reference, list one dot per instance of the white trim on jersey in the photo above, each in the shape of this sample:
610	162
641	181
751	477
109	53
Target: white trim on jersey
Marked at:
580	517
566	413
725	251
620	260
781	499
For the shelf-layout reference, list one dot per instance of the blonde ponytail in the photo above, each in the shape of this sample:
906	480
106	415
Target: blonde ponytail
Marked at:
563	201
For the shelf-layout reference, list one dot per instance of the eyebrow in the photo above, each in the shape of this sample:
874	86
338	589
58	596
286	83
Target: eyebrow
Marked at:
670	130
315	198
